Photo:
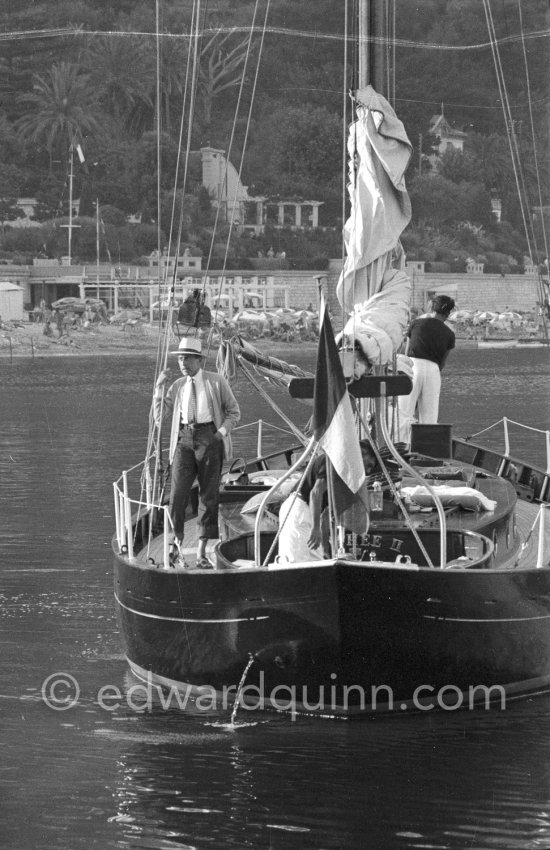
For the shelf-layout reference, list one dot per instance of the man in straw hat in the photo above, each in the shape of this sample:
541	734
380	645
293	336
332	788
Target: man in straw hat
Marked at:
203	412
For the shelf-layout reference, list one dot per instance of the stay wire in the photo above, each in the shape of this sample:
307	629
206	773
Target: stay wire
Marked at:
532	124
512	139
234	200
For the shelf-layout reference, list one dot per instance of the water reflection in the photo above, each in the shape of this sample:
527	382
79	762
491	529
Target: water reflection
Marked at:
92	777
432	782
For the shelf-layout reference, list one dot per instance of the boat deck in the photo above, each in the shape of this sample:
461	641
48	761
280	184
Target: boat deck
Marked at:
233	523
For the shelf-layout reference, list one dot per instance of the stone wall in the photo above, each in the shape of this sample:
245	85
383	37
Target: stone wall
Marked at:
470	291
480	291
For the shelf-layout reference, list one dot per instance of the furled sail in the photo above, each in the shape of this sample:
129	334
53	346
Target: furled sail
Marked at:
373	287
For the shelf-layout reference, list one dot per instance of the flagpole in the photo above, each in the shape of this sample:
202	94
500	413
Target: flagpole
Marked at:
70	225
334	544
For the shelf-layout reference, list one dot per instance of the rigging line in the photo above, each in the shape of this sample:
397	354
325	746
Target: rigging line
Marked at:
219	207
345	119
164	339
512	137
287	32
393	44
191	109
532	121
294	428
320	90
157	108
192	99
247	130
506	108
230	147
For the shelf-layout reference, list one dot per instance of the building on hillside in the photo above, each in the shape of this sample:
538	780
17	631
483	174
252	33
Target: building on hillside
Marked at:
448	138
249	212
210	168
187	264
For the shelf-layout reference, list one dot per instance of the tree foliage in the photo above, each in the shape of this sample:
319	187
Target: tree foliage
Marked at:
101	90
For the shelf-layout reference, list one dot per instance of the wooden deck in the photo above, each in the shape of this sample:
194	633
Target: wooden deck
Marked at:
526	514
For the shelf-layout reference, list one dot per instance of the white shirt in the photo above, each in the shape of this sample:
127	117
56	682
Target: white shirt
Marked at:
203	411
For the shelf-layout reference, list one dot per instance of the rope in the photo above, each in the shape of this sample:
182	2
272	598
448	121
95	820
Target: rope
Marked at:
294	428
226	362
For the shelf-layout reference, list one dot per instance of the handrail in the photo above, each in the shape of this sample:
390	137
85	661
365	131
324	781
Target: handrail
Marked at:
437	501
540	551
506	422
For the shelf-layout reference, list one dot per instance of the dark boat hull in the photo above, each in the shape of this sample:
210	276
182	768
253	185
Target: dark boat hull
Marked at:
340	637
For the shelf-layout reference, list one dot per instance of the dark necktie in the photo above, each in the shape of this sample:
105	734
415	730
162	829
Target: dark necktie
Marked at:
192	415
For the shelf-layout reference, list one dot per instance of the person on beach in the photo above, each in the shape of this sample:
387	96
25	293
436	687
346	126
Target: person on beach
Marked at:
203	411
429	341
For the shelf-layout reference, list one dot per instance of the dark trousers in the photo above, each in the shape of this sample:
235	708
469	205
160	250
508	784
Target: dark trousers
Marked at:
198	455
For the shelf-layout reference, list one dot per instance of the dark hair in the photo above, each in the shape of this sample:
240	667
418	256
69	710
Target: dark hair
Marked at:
359	353
443	304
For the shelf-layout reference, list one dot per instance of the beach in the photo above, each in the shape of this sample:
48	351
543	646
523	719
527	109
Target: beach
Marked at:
24	339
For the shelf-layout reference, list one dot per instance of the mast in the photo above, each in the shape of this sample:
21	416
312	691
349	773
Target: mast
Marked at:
373	46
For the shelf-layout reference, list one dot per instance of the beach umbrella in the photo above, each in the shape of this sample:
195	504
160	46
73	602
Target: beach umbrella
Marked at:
513	318
76	304
460	316
485	316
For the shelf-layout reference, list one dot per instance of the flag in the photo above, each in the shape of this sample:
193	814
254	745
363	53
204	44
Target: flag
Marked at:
333	418
80	154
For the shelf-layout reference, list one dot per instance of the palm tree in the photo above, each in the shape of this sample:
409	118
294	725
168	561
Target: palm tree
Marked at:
222	62
62	107
121	70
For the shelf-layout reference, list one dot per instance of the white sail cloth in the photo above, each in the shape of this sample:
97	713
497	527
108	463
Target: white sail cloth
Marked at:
379	323
379	152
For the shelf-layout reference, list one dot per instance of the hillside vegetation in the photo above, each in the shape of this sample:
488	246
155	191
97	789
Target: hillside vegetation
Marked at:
76	72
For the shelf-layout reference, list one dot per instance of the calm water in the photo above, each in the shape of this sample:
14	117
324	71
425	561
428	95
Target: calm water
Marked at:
90	777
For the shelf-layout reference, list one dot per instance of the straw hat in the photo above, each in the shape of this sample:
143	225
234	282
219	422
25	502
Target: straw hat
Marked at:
189	345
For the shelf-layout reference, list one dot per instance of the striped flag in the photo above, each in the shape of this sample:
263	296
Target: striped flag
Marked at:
333	419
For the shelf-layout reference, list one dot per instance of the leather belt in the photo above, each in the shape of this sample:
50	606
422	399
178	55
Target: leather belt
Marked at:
195	425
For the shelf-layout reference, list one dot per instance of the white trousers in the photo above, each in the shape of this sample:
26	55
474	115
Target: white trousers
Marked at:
422	404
